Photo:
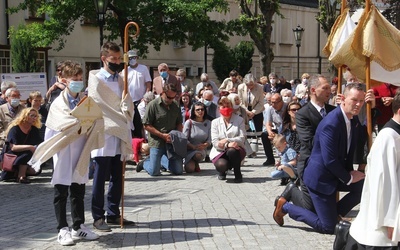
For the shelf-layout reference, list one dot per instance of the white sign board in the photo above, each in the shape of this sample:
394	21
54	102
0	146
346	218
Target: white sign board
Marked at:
27	82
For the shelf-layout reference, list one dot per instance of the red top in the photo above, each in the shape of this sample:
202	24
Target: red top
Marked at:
384	90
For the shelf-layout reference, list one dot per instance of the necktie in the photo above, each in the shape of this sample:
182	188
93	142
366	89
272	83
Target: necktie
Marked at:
323	112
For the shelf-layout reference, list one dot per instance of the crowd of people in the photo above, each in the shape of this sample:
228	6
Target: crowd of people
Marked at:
316	133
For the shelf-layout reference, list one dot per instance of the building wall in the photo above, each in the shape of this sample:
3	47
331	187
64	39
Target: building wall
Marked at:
3	29
83	45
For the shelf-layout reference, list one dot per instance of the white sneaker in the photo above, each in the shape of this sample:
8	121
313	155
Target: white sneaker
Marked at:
83	233
64	237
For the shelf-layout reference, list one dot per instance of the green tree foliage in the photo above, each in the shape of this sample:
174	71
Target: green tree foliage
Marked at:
161	21
255	20
22	52
243	53
328	12
392	13
226	59
223	61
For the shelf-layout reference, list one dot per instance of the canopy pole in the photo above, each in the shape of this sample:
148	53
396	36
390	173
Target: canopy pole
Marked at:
368	86
340	69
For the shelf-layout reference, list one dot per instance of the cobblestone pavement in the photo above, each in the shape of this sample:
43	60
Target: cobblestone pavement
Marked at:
191	211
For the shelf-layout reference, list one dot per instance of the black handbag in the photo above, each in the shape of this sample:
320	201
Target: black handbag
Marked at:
341	233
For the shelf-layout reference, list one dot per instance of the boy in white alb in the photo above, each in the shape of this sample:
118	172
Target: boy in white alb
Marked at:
66	174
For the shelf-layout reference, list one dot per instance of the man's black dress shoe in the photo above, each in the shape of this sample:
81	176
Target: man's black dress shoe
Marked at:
287	193
269	163
117	221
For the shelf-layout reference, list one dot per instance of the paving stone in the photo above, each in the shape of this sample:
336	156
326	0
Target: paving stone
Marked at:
191	211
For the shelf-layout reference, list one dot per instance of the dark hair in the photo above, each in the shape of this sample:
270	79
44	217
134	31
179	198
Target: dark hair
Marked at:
286	117
109	46
169	86
207	84
200	94
396	101
185	94
357	86
223	93
233	73
192	111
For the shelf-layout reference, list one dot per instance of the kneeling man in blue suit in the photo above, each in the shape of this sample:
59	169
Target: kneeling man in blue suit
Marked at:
330	167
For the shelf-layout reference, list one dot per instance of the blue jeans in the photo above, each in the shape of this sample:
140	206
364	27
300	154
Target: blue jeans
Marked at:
158	157
279	174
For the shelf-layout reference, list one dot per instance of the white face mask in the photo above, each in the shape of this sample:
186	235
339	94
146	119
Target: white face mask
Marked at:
132	62
286	99
273	81
304	81
236	106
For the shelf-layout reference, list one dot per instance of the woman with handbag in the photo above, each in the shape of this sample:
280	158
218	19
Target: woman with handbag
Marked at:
227	135
197	130
23	135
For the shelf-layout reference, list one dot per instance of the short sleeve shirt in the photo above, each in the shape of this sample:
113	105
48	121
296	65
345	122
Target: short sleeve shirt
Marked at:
161	118
137	78
274	116
288	155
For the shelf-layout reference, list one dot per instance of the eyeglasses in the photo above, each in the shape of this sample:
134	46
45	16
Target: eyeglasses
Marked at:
199	109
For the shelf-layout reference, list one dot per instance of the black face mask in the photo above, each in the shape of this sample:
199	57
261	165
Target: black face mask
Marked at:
113	66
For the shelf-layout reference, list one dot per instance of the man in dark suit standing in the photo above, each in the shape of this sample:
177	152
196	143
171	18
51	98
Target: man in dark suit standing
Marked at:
164	78
330	167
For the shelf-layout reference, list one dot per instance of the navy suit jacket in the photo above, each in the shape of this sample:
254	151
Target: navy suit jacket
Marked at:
307	120
329	162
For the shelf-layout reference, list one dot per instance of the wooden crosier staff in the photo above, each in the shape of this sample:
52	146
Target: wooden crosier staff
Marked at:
126	62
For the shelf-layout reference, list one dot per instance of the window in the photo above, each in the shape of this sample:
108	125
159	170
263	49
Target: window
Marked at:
40	61
5	61
32	11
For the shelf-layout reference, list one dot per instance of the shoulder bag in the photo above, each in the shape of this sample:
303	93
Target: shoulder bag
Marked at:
8	159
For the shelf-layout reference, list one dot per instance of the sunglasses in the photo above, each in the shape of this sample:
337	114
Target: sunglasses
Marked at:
170	97
199	109
294	110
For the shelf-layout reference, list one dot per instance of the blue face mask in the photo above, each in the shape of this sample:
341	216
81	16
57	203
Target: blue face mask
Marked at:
15	102
207	103
75	86
164	74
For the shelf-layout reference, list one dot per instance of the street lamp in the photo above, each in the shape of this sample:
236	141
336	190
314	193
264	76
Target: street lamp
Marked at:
298	33
101	8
